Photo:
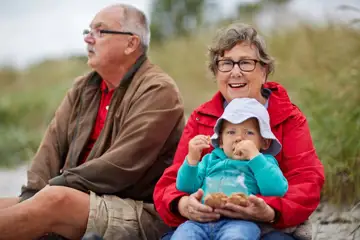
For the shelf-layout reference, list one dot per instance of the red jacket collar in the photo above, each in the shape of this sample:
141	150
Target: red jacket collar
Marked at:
214	107
280	107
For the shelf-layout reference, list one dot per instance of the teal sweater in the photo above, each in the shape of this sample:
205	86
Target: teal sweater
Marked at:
218	173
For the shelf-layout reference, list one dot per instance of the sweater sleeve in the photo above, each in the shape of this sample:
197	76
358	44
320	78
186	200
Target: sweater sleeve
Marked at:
268	175
191	177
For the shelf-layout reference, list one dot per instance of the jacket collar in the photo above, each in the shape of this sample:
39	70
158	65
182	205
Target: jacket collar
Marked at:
214	107
95	78
280	107
219	153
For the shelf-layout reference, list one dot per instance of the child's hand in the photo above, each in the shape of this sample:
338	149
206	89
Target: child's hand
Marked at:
245	149
196	146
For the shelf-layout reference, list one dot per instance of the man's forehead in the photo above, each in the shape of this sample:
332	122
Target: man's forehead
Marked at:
98	24
106	18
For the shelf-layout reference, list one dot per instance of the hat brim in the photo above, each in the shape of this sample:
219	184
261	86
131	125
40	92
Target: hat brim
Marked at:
265	132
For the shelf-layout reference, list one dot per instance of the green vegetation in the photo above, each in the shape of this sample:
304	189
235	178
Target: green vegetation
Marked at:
320	68
27	104
318	65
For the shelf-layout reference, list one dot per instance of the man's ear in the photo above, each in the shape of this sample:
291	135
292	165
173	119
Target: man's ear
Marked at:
133	44
265	144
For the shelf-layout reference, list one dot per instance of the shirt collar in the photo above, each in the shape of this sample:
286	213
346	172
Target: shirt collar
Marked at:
104	87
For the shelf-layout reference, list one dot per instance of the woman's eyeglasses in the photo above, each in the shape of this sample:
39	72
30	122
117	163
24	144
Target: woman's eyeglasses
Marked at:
246	65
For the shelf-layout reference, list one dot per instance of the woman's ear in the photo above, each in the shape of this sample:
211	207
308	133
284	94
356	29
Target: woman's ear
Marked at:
265	144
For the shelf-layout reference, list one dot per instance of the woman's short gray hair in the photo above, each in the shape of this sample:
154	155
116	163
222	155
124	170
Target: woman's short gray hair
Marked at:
227	37
134	20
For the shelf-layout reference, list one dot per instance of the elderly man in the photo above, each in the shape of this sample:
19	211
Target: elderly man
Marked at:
110	140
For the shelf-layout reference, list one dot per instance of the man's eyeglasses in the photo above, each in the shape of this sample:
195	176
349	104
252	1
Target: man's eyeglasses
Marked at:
98	33
246	65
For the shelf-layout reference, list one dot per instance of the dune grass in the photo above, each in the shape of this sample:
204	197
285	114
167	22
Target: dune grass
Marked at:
27	104
320	67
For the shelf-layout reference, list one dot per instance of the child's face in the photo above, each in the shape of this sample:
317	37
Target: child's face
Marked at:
233	133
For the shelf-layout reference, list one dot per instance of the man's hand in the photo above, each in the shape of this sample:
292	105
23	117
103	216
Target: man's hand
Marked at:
196	147
191	208
257	210
245	149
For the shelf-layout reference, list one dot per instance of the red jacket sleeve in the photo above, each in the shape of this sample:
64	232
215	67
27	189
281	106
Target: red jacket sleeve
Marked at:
303	170
165	190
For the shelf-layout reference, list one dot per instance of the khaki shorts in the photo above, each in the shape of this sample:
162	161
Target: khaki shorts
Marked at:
114	218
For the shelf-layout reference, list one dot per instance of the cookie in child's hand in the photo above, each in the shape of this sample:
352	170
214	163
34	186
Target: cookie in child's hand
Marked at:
208	138
238	199
215	200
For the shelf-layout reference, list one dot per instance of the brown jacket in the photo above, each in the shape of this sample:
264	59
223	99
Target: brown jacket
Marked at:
138	141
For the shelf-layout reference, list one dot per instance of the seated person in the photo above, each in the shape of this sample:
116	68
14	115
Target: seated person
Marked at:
110	140
241	163
241	66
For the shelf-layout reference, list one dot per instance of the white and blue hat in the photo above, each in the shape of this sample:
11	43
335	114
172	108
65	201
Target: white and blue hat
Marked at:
241	109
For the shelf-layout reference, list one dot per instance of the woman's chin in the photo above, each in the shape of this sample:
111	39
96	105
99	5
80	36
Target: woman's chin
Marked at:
233	96
238	93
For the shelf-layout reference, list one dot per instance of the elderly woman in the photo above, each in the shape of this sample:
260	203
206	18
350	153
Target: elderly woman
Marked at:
241	65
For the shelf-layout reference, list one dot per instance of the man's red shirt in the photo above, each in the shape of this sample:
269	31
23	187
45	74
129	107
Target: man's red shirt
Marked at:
106	96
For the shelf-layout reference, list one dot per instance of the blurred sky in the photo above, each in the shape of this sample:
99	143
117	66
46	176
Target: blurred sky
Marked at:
34	29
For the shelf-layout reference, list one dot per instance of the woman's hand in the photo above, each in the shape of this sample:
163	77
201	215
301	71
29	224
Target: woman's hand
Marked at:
190	207
257	210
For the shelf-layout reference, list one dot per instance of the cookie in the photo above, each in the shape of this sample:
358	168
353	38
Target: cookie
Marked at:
215	200
208	138
238	199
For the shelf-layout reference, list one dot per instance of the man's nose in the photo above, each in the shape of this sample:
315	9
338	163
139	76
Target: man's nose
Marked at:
89	39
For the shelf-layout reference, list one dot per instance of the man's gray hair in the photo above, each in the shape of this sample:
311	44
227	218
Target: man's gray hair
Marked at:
134	20
227	37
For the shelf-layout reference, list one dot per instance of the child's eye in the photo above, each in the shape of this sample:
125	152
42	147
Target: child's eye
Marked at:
249	132
230	132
